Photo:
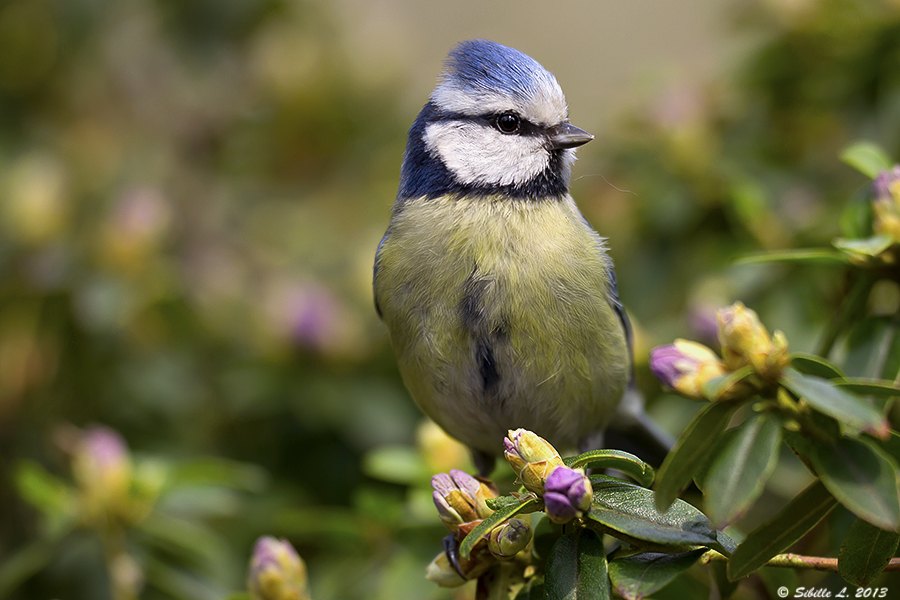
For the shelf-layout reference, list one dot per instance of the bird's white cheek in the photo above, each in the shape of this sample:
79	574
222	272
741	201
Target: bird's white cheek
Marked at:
482	155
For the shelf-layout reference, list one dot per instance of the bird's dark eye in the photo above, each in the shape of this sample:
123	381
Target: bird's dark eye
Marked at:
508	122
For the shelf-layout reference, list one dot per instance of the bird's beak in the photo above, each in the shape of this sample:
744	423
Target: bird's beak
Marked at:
566	135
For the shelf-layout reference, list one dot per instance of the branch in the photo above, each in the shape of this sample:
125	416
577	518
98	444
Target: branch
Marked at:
797	561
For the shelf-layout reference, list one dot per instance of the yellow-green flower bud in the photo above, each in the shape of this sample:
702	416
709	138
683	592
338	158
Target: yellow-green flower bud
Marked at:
102	467
745	341
741	334
276	571
686	367
531	457
441	572
460	498
508	539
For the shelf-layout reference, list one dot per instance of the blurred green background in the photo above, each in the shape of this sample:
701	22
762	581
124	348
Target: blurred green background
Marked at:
191	193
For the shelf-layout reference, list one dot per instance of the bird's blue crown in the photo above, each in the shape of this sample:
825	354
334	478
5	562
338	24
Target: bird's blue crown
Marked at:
484	67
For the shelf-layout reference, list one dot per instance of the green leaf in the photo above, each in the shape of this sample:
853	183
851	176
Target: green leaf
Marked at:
44	491
395	463
720	586
690	450
577	569
716	387
630	511
533	590
863	386
502	502
712	455
625	462
847	408
862	477
867	158
726	542
781	531
869	247
527	505
218	471
890	368
873	347
865	552
189	538
811	364
774	578
739	474
824	256
892	446
639	575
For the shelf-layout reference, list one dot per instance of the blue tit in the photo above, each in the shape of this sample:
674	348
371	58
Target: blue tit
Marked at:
499	297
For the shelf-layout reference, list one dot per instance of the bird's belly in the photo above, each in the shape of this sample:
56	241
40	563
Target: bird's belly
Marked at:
507	330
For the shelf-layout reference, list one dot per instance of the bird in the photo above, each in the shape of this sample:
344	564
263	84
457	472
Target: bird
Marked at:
500	299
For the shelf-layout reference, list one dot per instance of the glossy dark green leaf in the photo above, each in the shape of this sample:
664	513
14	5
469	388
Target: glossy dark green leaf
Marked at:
639	575
631	511
506	512
711	456
726	543
781	531
690	450
577	569
865	552
867	158
824	256
862	477
739	473
802	445
835	402
863	386
811	364
625	462
892	446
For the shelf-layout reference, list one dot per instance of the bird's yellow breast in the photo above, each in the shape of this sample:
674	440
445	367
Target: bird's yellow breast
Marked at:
500	316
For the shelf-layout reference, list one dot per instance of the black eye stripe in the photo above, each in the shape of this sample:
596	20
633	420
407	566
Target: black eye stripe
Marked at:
526	127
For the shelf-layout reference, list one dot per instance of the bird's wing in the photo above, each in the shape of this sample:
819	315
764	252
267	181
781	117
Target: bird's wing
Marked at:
375	272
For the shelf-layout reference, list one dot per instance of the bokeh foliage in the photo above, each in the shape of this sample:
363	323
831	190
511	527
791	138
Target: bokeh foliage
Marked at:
190	197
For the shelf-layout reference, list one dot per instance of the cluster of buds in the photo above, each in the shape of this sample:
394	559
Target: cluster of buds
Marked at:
566	492
886	204
461	502
687	367
276	571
